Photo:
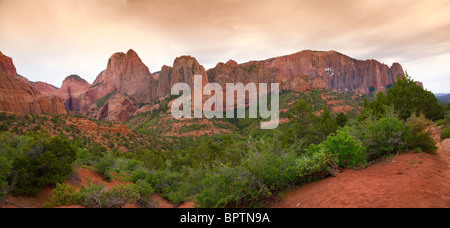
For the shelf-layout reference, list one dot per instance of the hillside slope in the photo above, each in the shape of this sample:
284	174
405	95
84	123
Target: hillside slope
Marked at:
408	181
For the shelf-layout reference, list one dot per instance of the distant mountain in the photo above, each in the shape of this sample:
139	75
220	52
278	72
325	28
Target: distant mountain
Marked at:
444	98
127	75
441	94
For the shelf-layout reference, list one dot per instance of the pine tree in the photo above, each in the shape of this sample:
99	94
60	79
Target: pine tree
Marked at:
302	122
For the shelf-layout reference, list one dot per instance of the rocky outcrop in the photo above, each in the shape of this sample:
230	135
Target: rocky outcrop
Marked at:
118	108
300	72
71	89
45	88
20	97
127	83
231	72
93	127
24	79
303	83
7	65
336	70
146	109
126	74
183	70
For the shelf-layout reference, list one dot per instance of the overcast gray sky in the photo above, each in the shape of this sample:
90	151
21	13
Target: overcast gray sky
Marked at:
50	39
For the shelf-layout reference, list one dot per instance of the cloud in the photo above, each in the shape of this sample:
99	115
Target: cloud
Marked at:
50	39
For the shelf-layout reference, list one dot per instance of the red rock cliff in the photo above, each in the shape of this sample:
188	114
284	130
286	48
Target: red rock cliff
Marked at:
126	74
7	66
71	89
336	70
20	97
307	70
183	70
45	88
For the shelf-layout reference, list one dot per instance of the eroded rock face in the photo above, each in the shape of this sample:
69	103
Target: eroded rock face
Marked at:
71	89
127	82
126	74
146	109
184	69
20	97
24	79
118	108
231	72
303	83
45	88
336	70
7	65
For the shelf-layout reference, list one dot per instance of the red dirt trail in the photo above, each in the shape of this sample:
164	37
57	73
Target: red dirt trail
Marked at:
409	181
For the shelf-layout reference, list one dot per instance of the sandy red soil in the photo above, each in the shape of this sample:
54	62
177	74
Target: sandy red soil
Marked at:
409	181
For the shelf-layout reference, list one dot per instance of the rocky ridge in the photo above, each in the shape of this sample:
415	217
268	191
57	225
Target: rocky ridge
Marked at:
18	96
128	76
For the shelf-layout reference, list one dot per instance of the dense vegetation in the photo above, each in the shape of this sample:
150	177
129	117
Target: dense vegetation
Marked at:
241	169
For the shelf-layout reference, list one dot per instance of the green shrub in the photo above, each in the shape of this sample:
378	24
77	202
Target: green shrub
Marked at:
347	151
108	176
315	164
441	122
47	161
97	196
145	192
104	166
98	151
56	161
36	128
167	182
84	157
63	195
382	137
420	137
226	186
275	169
28	176
445	134
5	170
132	165
139	174
407	98
4	127
265	170
341	119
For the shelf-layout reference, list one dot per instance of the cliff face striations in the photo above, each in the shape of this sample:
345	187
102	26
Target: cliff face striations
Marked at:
337	71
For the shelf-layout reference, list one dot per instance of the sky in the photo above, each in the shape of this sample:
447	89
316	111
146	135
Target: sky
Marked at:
51	39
